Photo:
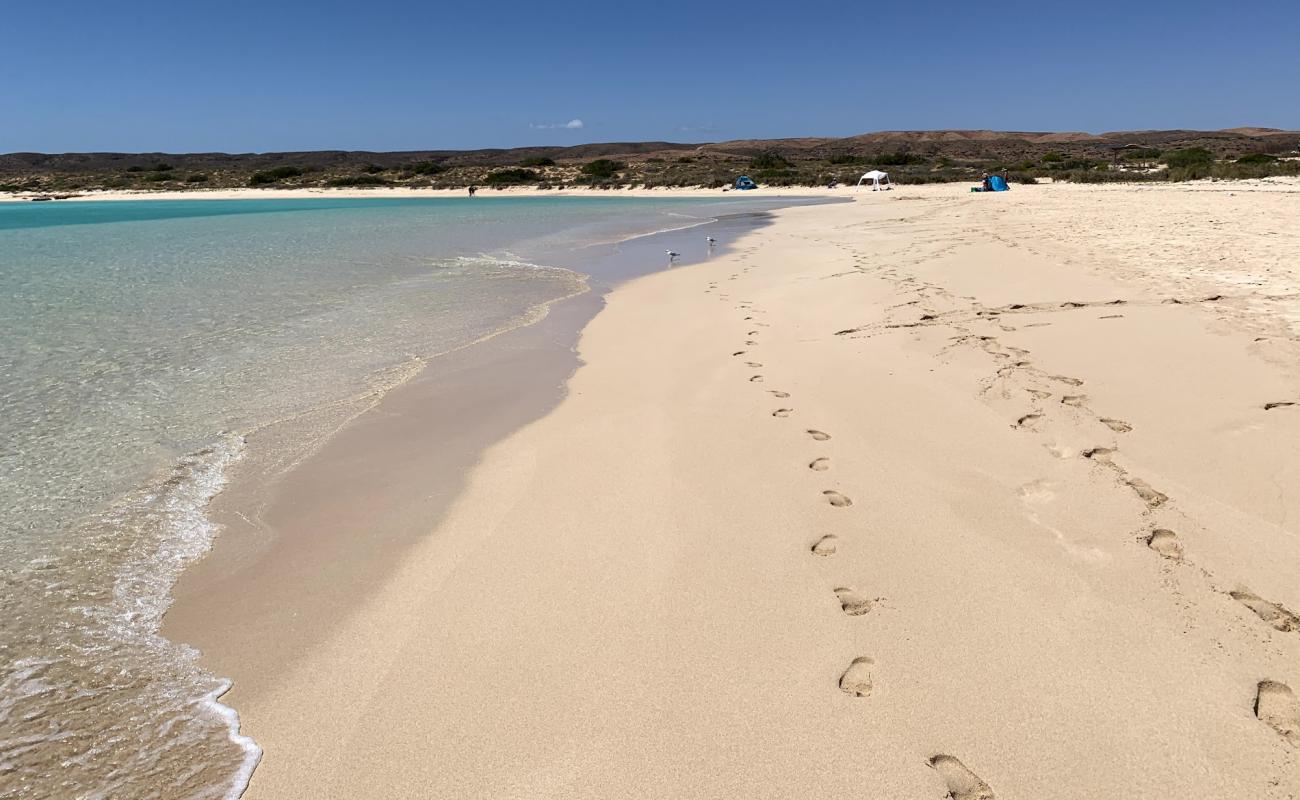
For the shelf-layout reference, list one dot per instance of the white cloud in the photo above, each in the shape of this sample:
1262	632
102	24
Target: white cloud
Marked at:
571	125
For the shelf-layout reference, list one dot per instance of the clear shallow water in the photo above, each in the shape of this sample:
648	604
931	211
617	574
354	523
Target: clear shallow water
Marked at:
141	342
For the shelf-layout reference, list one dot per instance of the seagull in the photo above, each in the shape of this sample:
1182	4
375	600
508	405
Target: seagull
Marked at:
672	255
710	240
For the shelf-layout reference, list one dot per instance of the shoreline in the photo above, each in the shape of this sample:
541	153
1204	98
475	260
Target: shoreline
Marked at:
392	192
1275	183
272	565
624	598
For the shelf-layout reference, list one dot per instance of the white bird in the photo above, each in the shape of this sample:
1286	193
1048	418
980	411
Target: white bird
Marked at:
671	254
710	240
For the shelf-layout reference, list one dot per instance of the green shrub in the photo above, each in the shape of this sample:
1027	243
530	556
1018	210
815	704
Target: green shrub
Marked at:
357	180
1189	157
1257	158
845	158
426	168
769	160
506	177
685	160
197	177
1076	164
1052	157
603	168
372	169
540	161
1143	154
273	175
1105	176
157	177
1190	172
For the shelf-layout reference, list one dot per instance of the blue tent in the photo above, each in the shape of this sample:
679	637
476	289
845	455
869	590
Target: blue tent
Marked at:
998	184
744	182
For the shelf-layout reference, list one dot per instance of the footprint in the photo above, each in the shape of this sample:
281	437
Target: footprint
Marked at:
739	353
1039	394
1117	425
1027	420
826	545
836	499
1067	380
756	379
1166	543
1075	400
1059	450
820	464
751	342
818	435
1274	704
856	680
753	364
1101	454
1279	404
782	413
1278	616
1152	497
962	783
852	601
775	393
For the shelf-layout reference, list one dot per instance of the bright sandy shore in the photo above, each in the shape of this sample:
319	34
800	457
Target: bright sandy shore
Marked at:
1278	184
1042	439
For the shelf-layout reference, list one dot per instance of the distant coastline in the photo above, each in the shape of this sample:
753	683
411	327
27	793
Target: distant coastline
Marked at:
912	157
406	192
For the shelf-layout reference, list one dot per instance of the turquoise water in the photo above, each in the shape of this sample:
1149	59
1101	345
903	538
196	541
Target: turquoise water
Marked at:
143	340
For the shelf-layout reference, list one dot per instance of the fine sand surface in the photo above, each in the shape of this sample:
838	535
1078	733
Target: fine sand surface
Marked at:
932	494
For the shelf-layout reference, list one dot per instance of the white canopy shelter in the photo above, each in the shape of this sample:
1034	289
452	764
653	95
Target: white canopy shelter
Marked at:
879	180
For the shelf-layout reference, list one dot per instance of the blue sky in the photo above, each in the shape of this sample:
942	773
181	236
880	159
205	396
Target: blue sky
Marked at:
239	76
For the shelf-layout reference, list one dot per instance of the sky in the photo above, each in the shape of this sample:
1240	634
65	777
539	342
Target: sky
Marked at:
241	76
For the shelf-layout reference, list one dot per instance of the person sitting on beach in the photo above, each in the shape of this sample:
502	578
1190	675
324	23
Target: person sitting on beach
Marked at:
986	184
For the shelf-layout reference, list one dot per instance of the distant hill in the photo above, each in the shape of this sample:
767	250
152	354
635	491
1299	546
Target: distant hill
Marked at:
915	156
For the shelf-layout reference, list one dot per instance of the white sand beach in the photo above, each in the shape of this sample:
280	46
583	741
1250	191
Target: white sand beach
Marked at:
927	494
